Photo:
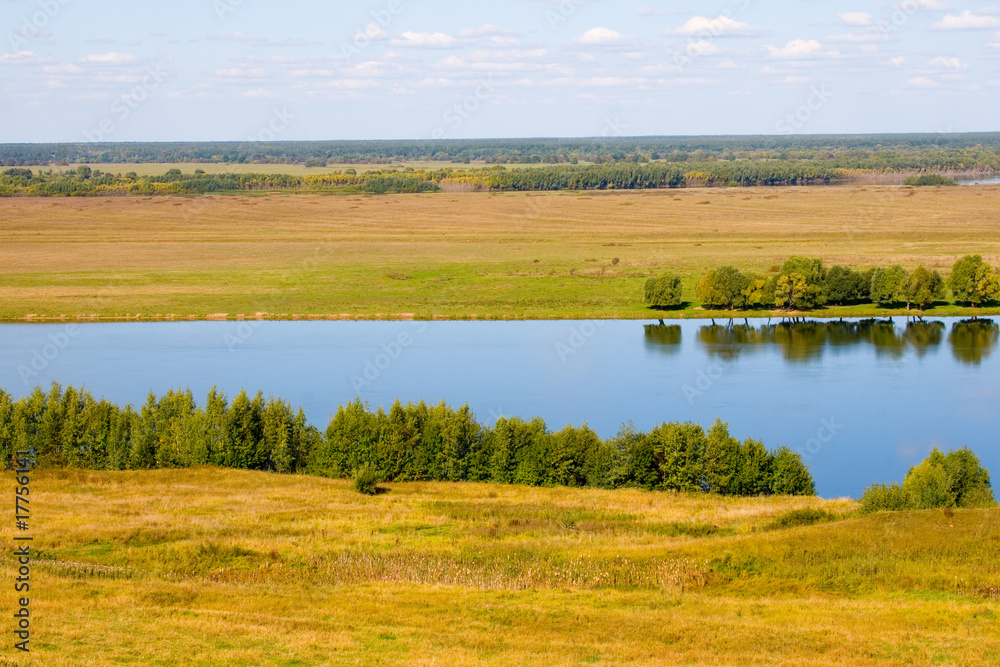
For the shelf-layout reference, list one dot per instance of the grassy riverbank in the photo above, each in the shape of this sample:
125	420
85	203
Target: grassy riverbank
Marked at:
209	566
458	256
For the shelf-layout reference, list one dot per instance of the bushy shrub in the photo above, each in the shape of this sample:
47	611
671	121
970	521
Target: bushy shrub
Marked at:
663	292
803	517
884	498
927	486
366	479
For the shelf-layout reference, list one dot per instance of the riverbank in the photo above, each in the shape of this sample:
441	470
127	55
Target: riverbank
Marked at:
459	256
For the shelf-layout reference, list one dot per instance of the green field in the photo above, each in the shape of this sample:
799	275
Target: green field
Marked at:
209	566
474	256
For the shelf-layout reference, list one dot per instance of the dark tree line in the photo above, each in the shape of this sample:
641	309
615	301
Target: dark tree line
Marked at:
893	152
70	428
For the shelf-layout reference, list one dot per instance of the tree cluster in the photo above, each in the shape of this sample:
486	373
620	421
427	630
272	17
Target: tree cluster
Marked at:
956	479
69	428
417	442
803	283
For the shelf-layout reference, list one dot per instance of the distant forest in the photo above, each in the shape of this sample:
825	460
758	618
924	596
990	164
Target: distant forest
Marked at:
500	165
893	152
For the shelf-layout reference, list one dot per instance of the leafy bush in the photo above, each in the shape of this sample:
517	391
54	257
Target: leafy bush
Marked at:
803	517
928	179
366	479
927	486
663	292
884	498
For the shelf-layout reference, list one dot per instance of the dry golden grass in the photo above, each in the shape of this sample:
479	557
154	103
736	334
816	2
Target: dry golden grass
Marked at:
447	255
210	566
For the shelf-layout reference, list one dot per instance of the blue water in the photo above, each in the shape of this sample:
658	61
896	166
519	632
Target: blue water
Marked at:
862	404
993	180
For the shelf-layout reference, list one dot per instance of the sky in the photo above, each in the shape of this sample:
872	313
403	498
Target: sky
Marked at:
239	70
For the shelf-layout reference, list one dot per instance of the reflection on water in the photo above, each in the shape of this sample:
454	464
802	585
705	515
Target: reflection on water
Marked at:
664	338
971	340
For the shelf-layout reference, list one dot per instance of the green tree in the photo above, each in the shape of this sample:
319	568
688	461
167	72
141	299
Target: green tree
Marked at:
889	285
664	291
973	281
789	475
845	286
968	480
722	459
922	288
723	288
927	486
794	291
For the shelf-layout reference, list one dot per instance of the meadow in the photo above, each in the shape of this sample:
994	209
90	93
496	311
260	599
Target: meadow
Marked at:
210	566
458	255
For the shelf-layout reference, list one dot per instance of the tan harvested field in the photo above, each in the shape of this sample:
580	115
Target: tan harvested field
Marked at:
534	255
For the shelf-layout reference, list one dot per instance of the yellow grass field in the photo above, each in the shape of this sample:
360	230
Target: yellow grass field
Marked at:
219	567
534	255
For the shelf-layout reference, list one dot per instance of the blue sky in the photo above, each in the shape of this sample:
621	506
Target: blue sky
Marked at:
75	70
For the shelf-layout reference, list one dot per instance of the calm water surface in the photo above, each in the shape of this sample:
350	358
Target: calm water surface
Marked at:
862	401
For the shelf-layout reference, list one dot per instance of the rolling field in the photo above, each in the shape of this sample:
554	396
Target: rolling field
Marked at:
562	255
209	566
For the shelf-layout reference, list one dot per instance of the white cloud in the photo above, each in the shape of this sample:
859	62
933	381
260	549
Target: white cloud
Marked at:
425	40
799	49
21	58
236	37
604	37
898	61
488	30
922	6
967	20
859	19
350	84
68	68
949	63
650	11
702	47
660	70
922	82
613	81
702	26
259	94
108	58
241	73
373	33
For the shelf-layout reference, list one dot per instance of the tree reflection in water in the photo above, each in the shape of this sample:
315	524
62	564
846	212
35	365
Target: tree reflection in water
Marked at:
664	338
972	341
